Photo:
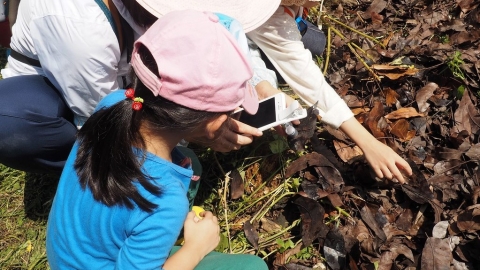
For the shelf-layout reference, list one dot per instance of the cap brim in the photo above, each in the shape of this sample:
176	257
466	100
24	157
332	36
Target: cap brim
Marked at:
251	14
250	103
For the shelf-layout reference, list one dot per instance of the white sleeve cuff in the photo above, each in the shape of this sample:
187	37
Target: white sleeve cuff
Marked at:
336	115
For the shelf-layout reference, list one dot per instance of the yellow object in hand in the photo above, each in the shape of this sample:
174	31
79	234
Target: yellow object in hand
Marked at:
198	210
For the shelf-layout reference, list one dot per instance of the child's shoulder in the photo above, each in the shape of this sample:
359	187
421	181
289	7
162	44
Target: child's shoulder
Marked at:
168	173
111	99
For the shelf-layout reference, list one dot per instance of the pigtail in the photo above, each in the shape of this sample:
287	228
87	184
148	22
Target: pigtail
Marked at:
106	161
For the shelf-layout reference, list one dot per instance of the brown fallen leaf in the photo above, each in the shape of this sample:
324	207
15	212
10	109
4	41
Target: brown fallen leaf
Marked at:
353	101
313	159
469	220
335	200
305	130
474	152
436	255
236	185
346	152
311	213
269	226
445	153
369	218
391	96
395	72
373	118
417	187
467	116
388	257
401	130
251	234
360	231
404	221
357	111
424	94
466	5
407	112
329	178
376	6
446	166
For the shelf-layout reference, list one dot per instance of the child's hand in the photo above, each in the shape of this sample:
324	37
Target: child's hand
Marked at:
201	235
385	162
231	135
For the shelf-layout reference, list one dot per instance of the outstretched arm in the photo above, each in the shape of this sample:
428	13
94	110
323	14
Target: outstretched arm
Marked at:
383	160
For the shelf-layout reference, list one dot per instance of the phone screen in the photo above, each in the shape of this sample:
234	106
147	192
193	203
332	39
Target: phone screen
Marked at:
264	116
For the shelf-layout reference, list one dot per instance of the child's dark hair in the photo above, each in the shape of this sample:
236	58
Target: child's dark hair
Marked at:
107	162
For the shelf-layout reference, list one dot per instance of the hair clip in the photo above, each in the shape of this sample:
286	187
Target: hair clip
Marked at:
137	101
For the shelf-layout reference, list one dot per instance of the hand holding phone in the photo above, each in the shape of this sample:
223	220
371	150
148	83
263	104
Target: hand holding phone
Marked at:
271	112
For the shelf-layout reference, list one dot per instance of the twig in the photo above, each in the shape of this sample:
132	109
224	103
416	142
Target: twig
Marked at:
349	44
354	30
225	210
218	163
327	59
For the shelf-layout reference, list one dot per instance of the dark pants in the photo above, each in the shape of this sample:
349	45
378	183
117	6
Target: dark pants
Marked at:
36	129
313	40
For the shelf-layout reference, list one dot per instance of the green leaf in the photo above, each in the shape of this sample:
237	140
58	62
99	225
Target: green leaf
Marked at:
278	146
460	91
223	244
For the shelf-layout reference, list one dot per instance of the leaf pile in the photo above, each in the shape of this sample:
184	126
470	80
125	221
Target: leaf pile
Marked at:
415	88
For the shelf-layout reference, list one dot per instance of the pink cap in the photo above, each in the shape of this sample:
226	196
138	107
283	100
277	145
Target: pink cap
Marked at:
199	62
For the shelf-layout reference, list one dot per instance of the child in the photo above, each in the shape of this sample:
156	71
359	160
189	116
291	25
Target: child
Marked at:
280	40
121	200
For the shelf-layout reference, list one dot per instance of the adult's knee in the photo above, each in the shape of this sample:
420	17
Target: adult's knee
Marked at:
314	40
36	133
35	146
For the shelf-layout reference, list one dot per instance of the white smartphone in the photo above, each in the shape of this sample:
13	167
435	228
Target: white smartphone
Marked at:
271	112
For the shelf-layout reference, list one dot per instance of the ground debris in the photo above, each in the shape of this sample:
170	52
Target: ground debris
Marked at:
336	213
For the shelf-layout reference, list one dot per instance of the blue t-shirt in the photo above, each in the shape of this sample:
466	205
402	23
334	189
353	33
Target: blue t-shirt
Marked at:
83	233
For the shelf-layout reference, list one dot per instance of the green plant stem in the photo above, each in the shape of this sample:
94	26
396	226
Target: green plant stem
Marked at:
242	207
329	42
362	50
265	241
349	44
225	211
354	30
265	208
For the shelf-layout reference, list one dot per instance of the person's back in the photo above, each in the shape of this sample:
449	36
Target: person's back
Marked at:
65	57
76	46
85	234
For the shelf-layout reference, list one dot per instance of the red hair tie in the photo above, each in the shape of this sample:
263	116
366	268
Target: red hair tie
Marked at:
137	101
